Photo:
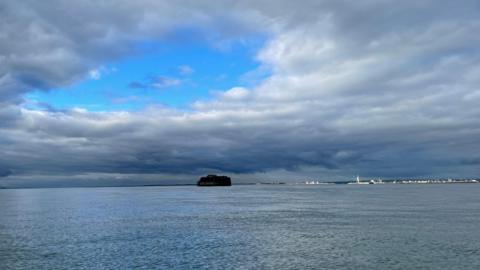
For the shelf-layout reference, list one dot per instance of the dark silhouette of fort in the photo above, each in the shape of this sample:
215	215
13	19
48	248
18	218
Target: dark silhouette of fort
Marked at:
214	180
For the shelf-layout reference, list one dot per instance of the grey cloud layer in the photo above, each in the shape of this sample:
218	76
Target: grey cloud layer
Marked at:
380	88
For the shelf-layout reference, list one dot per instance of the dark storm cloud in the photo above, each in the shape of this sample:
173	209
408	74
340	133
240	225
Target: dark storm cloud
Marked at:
380	88
4	173
147	145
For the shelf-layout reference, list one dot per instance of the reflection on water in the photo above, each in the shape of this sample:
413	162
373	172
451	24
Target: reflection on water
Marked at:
242	227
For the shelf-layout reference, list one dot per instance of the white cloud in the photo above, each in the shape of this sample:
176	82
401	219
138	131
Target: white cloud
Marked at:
160	82
236	93
185	70
95	74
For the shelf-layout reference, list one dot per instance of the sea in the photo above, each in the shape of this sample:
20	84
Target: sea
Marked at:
389	226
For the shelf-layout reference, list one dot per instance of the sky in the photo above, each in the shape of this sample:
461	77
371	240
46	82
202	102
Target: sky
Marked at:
162	92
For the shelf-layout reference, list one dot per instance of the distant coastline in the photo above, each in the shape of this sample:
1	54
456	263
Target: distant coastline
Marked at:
305	182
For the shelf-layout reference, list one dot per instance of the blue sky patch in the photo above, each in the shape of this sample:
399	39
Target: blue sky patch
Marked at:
172	75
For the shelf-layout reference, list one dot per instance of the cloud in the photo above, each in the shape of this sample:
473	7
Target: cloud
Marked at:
137	85
160	82
94	74
236	93
379	88
97	73
127	99
5	173
185	70
155	82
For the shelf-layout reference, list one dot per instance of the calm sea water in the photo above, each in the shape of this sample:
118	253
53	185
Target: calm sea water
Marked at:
242	227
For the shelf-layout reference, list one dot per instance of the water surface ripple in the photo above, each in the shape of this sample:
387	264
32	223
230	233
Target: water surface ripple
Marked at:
242	227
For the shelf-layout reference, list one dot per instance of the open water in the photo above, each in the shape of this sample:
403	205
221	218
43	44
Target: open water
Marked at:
242	227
